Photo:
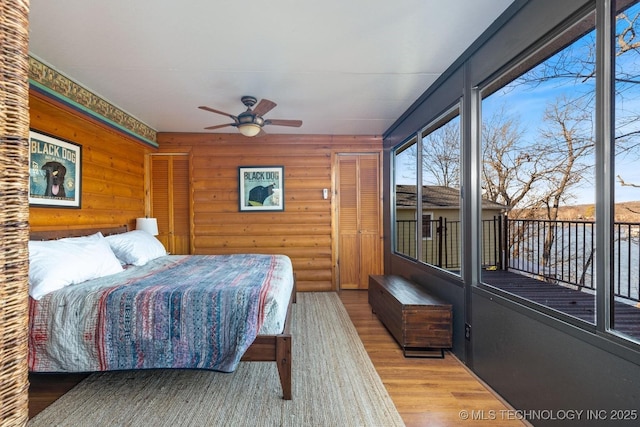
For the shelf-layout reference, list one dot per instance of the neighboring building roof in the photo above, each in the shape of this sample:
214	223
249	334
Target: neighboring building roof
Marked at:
436	197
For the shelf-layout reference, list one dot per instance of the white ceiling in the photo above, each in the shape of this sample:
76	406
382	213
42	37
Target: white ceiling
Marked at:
341	66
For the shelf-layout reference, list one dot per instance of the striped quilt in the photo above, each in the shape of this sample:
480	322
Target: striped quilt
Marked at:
199	311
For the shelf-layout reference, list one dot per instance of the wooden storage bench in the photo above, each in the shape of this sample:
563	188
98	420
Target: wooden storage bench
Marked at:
420	322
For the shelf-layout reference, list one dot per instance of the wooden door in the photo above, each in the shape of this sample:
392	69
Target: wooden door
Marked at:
359	219
170	200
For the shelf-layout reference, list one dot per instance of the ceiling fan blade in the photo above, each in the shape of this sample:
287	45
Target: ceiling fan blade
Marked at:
220	126
263	107
202	107
292	123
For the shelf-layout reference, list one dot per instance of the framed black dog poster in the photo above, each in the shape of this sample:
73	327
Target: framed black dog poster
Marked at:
54	171
261	188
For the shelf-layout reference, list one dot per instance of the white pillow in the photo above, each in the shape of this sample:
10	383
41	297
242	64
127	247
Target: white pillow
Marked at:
136	247
54	264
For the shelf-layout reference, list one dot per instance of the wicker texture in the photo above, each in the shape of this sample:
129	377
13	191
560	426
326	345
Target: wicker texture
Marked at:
14	215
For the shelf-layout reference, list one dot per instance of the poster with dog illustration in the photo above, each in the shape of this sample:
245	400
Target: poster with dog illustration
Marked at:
261	188
54	171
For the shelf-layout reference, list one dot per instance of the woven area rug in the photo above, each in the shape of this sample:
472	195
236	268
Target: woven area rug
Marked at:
334	384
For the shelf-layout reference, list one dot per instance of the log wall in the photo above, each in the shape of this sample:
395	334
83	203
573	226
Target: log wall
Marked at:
113	190
113	187
304	231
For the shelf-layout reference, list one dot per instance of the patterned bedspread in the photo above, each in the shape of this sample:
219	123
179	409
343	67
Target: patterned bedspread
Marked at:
198	311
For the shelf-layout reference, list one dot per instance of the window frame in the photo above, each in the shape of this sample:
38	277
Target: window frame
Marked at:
397	150
450	113
546	47
571	29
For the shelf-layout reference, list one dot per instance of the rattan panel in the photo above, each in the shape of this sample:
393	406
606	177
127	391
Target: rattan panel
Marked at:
14	215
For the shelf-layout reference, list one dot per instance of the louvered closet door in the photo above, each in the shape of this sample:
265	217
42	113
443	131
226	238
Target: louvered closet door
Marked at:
359	219
348	242
170	201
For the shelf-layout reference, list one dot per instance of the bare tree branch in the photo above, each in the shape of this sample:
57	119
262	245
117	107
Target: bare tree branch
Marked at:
626	184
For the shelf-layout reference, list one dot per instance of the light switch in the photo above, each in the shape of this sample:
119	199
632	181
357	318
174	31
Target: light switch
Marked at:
325	193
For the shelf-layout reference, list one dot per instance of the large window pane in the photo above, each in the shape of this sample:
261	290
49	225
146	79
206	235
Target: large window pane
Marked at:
406	221
441	207
626	233
538	150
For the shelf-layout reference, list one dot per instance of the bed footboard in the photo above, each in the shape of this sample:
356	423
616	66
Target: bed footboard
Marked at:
276	348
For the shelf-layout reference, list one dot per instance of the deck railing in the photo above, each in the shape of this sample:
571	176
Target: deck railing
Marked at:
556	251
559	252
442	247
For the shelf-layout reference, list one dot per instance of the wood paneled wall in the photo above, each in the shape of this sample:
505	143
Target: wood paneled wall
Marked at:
113	190
304	231
113	187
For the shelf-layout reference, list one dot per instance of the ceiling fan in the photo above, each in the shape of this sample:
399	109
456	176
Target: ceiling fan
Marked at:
250	122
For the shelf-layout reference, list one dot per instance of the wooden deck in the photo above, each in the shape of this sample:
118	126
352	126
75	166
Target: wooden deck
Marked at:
566	300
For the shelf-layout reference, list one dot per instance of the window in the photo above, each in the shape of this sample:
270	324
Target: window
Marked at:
543	140
406	197
441	203
538	148
626	230
432	209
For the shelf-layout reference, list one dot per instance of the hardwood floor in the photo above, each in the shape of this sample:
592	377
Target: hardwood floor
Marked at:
426	392
44	389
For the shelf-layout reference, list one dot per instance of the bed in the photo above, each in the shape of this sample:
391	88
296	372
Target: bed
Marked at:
170	311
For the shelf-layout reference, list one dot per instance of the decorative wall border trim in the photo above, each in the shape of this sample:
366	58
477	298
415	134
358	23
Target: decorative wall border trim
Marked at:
50	82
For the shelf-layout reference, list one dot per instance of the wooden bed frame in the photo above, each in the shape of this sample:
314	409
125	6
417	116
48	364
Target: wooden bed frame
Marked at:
265	348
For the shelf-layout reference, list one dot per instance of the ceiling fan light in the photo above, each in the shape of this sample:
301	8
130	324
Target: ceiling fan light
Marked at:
249	129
